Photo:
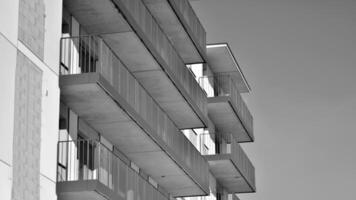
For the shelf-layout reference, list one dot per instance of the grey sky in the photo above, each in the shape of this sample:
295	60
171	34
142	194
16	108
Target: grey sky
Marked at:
299	57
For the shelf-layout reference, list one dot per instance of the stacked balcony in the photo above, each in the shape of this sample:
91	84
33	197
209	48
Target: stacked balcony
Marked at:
96	85
228	163
226	107
89	170
182	26
222	60
133	34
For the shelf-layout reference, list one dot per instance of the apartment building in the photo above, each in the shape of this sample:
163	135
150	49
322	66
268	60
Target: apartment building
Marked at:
119	99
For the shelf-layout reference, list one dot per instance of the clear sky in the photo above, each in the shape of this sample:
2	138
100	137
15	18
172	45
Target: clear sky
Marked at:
299	57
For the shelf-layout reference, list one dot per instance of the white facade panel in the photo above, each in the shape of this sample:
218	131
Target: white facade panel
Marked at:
7	99
49	124
5	181
53	26
47	189
9	14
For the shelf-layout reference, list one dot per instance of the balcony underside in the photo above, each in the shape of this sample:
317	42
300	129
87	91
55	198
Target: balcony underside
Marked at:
102	17
98	103
148	72
177	30
221	60
224	115
227	174
84	190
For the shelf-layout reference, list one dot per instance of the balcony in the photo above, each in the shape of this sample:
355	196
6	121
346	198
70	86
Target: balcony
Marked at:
98	87
214	197
88	170
233	197
132	33
228	163
226	107
180	23
222	60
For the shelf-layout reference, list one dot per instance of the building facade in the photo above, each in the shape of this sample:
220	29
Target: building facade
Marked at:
119	99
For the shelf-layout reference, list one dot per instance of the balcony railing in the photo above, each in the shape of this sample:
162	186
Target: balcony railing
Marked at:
90	54
192	20
224	85
85	160
160	42
222	144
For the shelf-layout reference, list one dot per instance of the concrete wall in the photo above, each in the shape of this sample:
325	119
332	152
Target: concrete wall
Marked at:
29	101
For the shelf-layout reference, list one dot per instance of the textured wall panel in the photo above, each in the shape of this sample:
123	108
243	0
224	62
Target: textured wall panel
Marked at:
32	25
27	130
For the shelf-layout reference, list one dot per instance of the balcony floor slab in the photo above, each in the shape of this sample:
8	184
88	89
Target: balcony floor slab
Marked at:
84	190
228	174
222	113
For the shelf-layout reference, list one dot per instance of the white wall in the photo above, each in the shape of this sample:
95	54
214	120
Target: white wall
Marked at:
9	11
53	30
50	97
47	189
49	125
7	97
5	181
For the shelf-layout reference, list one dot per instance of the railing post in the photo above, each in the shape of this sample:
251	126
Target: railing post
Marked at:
95	54
99	161
57	162
67	161
100	53
108	166
87	161
60	57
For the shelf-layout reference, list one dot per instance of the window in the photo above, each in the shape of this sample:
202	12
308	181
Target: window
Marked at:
87	57
218	196
217	145
85	153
